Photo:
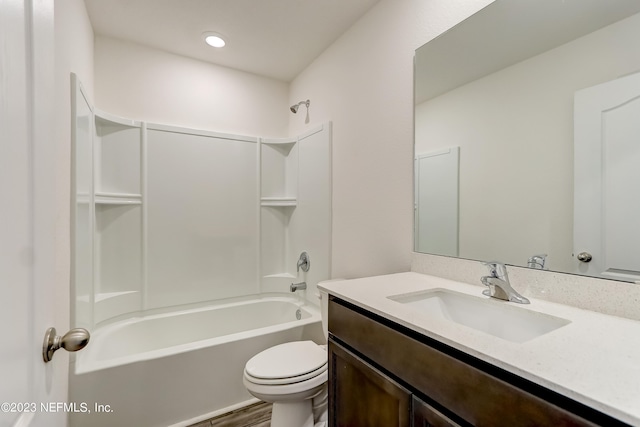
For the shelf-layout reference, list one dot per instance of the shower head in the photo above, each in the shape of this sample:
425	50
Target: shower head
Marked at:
294	108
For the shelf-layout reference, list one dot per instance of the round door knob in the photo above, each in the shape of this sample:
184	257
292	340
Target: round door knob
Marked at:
584	257
74	340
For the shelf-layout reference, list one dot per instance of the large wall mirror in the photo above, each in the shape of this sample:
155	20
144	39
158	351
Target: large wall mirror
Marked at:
527	137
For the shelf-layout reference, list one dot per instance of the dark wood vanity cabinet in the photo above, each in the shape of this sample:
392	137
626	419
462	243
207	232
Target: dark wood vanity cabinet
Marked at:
424	415
362	395
382	374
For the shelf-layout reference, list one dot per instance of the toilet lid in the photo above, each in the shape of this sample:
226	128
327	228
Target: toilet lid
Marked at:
287	360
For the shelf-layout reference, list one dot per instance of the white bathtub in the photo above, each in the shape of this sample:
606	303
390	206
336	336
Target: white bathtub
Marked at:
177	368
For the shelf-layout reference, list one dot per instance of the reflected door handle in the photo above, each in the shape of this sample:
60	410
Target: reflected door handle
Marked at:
584	257
74	340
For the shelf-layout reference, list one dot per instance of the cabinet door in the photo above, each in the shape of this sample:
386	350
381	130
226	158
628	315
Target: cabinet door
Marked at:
426	416
361	396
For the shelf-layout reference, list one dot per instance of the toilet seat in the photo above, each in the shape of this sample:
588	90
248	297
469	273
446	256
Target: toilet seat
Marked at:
288	380
288	392
287	363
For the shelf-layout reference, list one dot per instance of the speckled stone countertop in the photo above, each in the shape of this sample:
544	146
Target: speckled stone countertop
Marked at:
594	360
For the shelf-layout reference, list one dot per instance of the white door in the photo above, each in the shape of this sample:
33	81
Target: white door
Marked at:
607	179
436	202
27	217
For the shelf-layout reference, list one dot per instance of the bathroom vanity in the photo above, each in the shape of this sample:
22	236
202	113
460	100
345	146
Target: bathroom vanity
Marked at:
391	364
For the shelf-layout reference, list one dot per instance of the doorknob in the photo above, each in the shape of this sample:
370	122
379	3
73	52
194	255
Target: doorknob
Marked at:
584	257
74	340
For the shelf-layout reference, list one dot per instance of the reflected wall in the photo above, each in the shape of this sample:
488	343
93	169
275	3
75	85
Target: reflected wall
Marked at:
515	132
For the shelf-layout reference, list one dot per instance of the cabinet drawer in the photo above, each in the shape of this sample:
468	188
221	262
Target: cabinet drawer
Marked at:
474	395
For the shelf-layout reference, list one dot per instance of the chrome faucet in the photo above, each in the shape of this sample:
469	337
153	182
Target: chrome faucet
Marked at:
303	262
498	284
298	286
537	261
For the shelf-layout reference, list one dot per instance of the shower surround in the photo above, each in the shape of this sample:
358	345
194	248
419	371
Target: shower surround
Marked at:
168	219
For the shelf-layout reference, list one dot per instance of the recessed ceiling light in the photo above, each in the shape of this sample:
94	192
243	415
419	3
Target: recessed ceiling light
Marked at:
214	39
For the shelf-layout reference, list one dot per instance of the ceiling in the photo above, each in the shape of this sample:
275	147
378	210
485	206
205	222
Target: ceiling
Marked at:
272	38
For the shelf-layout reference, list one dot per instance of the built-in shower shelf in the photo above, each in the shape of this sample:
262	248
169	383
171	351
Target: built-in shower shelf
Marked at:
102	296
280	276
282	142
111	304
83	198
278	201
118	199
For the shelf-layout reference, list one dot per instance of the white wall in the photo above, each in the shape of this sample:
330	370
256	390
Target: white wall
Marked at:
73	53
147	84
364	84
517	145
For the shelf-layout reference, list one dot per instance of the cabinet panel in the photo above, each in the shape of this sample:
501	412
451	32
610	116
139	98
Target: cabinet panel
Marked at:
426	416
476	396
360	395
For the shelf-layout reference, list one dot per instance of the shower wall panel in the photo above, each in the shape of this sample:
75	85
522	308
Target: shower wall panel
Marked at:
296	210
165	217
310	226
202	217
82	211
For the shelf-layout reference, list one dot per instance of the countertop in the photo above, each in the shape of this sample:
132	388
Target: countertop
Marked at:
594	360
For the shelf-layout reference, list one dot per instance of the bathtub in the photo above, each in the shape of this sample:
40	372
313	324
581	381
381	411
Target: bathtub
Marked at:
178	368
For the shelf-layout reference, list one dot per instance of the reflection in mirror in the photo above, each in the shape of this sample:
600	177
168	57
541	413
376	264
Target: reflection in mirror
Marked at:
500	89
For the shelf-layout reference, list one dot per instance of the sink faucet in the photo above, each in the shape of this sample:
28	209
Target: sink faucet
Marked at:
498	284
298	286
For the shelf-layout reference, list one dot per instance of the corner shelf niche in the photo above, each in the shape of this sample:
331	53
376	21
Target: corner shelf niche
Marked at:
118	202
118	155
279	172
278	201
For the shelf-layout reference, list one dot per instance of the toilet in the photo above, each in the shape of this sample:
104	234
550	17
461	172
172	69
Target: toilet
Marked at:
293	377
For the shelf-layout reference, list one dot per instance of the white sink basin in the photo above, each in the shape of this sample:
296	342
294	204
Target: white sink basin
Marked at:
491	316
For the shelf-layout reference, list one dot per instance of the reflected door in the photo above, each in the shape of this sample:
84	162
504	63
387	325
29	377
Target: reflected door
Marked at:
607	178
436	209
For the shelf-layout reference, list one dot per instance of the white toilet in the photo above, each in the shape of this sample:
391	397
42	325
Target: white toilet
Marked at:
293	377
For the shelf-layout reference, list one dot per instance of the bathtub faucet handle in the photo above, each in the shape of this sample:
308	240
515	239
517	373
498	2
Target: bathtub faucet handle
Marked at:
303	262
298	286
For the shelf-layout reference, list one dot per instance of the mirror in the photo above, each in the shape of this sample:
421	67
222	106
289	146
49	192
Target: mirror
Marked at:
494	137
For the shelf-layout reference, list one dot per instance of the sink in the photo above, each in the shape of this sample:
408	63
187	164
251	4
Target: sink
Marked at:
497	318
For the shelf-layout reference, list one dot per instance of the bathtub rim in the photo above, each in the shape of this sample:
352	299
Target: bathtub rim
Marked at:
79	365
299	299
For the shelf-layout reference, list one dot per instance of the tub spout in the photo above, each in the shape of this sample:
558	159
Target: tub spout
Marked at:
298	286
